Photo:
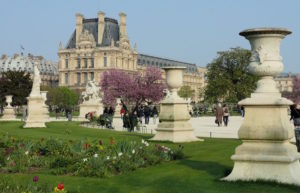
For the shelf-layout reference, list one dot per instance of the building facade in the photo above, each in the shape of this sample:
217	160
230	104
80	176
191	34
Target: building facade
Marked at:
284	82
19	62
102	43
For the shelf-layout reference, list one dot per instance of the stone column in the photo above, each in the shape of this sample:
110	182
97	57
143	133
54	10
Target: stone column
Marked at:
35	103
174	115
266	152
45	107
9	113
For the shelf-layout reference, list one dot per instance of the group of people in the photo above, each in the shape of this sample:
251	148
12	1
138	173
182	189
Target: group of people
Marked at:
222	114
143	112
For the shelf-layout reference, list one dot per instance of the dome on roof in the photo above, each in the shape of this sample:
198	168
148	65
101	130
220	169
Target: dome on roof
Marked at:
23	63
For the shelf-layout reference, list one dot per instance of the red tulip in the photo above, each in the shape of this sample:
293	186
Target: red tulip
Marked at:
60	186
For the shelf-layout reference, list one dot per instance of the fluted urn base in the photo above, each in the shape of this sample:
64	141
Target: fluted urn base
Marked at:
36	113
266	153
267	161
9	114
174	125
177	132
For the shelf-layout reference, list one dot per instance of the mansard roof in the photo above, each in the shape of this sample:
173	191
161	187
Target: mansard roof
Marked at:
111	31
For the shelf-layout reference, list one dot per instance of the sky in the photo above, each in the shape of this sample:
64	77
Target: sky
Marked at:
185	30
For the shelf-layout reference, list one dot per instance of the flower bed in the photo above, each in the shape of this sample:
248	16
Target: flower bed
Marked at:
81	158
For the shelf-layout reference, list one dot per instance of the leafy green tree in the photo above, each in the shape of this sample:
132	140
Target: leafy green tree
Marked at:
16	83
186	92
228	77
63	97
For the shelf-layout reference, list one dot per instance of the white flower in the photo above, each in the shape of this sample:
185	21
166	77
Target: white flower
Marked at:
133	151
120	154
107	157
26	153
147	144
96	155
8	158
84	159
141	147
143	141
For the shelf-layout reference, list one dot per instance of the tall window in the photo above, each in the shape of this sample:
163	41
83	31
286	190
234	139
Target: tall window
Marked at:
92	62
105	60
85	63
78	62
66	78
66	63
85	74
78	78
92	75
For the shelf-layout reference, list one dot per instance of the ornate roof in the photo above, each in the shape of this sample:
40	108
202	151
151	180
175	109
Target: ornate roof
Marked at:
111	31
20	62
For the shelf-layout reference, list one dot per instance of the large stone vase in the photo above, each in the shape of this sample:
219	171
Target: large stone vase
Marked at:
174	115
266	152
9	112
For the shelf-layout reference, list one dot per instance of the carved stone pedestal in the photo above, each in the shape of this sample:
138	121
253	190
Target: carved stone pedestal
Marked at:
35	118
174	116
9	113
266	153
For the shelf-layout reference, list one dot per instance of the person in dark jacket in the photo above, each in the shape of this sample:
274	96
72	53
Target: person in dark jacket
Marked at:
147	114
295	115
133	121
154	114
140	114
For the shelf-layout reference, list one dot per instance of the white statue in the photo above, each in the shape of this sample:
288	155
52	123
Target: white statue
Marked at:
35	91
91	93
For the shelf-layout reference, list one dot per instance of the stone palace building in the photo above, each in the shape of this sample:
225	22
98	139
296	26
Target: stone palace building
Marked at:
19	62
102	43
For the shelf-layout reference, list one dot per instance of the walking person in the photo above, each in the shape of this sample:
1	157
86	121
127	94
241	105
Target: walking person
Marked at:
140	114
226	114
219	114
242	111
56	112
154	114
147	114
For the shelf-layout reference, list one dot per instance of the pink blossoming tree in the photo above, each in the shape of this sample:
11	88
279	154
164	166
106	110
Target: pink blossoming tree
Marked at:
134	89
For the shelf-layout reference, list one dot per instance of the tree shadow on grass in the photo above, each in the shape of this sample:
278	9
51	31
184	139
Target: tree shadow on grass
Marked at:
215	169
219	171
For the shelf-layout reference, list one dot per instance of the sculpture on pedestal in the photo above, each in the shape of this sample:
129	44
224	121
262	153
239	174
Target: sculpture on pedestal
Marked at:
35	103
91	100
174	115
118	109
266	152
45	106
9	113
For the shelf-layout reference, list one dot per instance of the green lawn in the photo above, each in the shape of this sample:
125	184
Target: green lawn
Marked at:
205	163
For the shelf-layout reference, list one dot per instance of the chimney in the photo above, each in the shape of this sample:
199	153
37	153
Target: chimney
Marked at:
79	23
101	25
123	25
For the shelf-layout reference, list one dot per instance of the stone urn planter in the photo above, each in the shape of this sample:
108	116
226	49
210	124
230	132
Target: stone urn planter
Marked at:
266	152
174	115
9	113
